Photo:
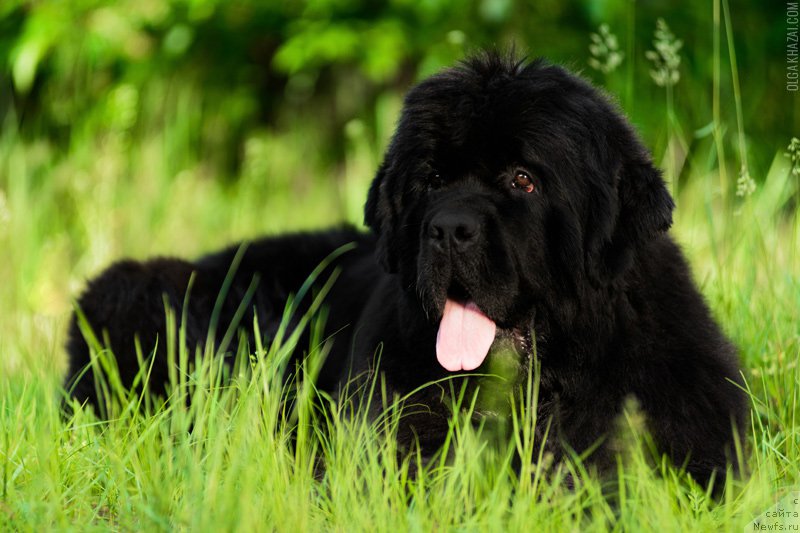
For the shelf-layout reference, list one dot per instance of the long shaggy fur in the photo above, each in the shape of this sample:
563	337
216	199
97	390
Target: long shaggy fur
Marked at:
581	266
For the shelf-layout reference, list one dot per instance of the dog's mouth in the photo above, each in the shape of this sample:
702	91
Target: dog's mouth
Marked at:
468	332
465	336
458	292
465	331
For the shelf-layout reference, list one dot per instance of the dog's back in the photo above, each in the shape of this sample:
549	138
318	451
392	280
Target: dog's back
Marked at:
129	301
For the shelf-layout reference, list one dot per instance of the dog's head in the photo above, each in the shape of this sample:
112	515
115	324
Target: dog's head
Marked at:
507	183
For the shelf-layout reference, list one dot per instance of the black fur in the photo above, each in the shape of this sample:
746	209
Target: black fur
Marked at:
583	261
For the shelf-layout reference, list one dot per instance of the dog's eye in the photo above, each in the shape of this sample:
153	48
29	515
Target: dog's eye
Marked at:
435	181
522	180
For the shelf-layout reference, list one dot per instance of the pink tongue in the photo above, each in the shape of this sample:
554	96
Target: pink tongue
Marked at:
465	335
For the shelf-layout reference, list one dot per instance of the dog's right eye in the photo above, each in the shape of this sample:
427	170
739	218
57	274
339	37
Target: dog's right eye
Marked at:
435	181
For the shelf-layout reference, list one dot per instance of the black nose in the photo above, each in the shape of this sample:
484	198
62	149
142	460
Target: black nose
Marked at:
452	227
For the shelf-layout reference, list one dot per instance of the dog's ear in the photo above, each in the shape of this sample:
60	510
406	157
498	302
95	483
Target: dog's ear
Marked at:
645	205
643	209
379	217
372	207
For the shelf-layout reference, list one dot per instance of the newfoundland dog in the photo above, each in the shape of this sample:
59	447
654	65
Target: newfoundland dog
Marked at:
515	207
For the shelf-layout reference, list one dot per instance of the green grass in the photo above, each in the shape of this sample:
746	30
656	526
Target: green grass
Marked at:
240	458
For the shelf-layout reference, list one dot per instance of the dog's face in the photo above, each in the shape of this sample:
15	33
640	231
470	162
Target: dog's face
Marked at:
507	185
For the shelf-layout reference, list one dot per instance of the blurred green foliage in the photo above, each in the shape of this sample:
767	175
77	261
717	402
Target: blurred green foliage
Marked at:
237	68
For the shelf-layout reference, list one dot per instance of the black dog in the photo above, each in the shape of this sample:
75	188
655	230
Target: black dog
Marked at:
514	206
